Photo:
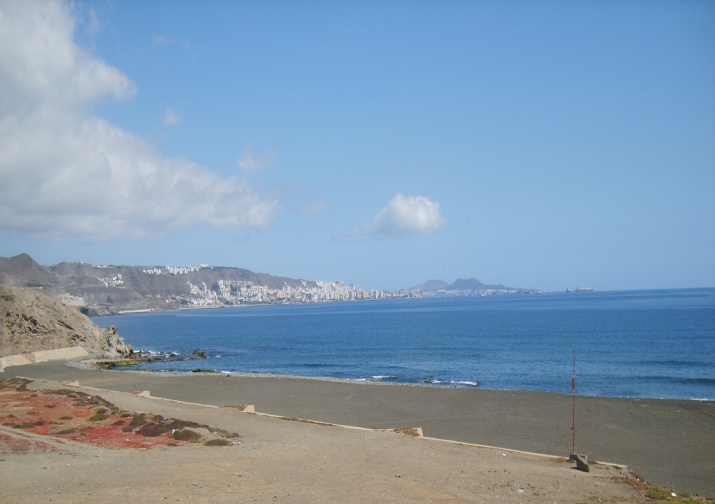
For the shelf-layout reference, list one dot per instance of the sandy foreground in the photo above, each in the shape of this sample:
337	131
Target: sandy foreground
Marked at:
671	443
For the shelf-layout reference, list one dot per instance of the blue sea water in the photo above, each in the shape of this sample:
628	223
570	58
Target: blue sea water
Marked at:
658	344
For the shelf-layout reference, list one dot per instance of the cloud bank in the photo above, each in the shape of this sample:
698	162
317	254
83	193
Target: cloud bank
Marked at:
68	174
403	215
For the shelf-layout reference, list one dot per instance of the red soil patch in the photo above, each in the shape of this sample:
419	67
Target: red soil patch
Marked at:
68	414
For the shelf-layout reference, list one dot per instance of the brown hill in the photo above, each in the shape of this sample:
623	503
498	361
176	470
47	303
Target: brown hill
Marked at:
23	271
105	289
31	321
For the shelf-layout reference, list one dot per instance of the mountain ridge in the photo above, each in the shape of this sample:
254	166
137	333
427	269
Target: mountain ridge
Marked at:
104	289
462	285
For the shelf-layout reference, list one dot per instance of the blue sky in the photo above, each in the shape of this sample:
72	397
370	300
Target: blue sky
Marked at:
536	144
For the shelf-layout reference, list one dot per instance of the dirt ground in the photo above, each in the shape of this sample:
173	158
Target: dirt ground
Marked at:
669	442
68	445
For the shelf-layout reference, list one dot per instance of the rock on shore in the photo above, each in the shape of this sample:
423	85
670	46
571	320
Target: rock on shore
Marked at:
30	321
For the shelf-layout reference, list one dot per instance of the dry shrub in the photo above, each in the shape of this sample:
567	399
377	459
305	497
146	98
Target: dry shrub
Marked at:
137	421
181	424
99	415
187	435
408	431
223	433
152	429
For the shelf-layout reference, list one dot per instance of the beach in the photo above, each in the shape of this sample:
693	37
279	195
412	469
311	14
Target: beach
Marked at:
669	442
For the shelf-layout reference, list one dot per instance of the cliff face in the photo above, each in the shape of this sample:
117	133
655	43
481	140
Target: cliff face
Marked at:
31	321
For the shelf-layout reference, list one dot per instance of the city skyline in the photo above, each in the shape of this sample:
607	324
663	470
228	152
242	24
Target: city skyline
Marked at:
541	145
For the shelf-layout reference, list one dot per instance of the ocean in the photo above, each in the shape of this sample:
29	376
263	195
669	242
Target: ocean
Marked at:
655	344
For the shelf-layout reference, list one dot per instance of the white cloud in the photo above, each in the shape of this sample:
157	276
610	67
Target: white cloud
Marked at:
66	173
171	117
403	215
249	161
42	69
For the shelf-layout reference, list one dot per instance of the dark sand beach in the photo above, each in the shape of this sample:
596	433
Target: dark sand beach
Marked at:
669	442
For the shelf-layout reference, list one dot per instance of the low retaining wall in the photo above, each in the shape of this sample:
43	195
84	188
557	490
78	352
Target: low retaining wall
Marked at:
43	356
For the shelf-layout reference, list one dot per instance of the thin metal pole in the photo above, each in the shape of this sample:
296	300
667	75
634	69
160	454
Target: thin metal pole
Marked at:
573	406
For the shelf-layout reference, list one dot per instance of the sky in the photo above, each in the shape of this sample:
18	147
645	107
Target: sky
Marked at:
536	144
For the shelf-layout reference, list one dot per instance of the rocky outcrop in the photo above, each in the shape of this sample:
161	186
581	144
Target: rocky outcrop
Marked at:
30	321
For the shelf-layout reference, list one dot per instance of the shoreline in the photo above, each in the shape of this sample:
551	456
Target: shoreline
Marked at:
533	292
294	345
136	311
362	381
669	441
272	459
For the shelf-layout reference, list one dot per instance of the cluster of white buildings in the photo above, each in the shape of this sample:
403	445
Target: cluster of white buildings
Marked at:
240	292
114	281
237	292
174	270
202	295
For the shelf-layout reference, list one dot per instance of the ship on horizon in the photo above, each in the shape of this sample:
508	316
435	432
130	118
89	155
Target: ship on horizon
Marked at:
580	289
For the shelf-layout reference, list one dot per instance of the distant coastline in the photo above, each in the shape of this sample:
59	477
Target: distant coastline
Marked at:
98	290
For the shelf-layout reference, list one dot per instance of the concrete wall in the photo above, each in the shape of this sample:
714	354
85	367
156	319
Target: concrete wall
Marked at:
42	356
